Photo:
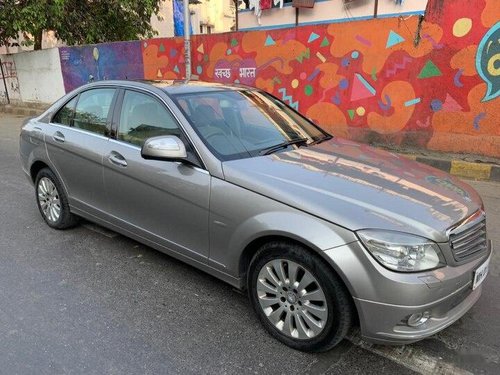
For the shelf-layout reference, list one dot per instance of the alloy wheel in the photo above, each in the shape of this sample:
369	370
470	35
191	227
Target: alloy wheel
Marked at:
48	198
292	299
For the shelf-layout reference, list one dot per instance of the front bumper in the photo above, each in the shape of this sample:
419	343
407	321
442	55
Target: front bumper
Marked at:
385	299
385	323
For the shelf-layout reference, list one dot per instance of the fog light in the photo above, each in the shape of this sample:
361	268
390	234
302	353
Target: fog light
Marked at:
418	319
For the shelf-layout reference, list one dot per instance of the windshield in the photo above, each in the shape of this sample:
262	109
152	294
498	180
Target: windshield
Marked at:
241	124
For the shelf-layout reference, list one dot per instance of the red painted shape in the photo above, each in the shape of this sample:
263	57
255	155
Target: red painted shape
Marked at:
359	90
451	105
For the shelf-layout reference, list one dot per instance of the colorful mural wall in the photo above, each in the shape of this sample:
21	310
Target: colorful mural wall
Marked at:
83	64
426	83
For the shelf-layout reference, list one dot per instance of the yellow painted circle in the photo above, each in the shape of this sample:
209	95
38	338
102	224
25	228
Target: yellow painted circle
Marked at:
492	69
462	27
360	111
295	83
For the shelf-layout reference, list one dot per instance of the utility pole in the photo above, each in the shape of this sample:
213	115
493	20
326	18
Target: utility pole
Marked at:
187	40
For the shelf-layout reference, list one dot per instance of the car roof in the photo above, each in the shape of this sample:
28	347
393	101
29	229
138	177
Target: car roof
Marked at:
174	87
187	87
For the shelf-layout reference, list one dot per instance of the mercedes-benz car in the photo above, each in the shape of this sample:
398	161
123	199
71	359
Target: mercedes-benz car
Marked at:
323	233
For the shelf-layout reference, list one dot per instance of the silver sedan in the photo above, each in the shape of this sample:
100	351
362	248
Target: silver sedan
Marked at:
323	233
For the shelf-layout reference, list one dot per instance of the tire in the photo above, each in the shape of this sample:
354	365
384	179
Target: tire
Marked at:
321	310
52	201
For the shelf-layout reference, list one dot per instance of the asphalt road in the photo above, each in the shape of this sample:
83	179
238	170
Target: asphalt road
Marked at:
89	301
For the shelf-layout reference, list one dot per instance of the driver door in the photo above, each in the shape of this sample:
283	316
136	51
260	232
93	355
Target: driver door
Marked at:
165	202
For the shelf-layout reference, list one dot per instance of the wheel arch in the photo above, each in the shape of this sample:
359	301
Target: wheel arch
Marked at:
36	167
252	248
38	164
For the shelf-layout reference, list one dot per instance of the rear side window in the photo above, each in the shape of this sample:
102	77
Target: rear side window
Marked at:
66	113
92	110
143	117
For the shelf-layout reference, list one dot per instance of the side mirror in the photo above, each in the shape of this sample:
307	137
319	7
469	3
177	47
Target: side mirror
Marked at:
167	147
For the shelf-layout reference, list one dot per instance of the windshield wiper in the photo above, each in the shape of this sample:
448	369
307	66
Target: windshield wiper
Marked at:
279	146
325	138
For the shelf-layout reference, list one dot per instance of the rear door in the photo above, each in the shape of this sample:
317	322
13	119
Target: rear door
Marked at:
165	202
76	140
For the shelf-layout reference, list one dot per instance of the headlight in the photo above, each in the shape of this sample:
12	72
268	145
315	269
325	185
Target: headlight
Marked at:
401	251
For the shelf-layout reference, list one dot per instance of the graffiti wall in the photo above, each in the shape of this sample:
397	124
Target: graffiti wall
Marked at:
430	82
163	58
399	81
9	84
121	60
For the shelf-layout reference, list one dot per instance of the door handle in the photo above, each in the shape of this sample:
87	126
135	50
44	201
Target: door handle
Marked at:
117	159
58	137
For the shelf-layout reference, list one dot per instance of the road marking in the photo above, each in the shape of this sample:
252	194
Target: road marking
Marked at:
411	358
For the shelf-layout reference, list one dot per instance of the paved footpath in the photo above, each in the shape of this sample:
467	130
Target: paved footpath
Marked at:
89	301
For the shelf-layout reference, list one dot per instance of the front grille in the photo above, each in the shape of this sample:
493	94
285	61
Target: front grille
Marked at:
469	239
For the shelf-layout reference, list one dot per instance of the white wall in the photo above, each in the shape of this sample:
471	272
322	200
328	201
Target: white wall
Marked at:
49	40
275	17
163	21
328	11
39	75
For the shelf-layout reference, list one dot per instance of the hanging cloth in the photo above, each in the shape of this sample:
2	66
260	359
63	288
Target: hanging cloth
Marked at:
255	5
265	4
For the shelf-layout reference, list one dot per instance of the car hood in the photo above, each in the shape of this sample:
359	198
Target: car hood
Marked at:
357	186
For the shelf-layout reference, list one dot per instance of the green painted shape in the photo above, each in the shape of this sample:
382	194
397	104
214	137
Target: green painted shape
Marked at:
234	42
308	90
350	112
374	74
325	42
304	55
429	70
162	48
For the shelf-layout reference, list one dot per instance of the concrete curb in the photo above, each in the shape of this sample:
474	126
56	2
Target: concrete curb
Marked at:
460	168
456	167
20	111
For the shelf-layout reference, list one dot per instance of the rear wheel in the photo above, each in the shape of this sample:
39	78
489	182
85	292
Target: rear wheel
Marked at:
52	201
298	298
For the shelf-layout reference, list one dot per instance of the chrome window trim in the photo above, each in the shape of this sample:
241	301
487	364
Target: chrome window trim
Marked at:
87	132
77	93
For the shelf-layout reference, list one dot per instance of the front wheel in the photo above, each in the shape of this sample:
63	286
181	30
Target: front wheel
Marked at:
298	298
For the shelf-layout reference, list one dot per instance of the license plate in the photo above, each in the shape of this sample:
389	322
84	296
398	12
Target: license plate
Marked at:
480	274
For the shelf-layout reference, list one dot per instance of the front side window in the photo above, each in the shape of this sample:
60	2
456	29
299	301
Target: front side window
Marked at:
237	124
92	110
66	113
143	117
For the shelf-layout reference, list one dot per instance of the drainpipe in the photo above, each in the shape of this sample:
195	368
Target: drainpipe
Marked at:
187	40
236	15
4	83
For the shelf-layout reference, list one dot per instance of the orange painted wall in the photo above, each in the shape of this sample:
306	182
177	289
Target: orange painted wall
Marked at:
395	81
